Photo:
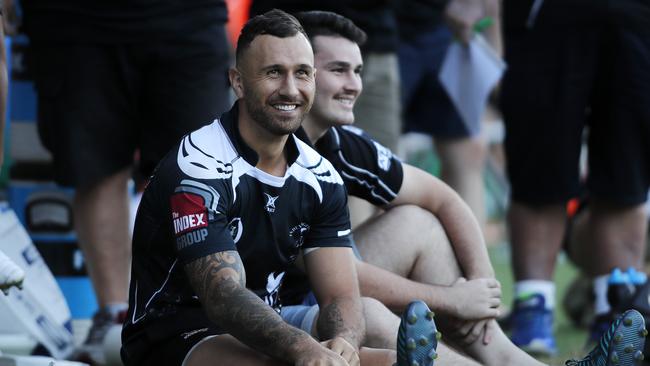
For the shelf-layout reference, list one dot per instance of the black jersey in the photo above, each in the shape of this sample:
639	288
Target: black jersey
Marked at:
207	196
369	170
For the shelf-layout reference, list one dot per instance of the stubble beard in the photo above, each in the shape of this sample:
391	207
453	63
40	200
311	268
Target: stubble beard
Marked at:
278	127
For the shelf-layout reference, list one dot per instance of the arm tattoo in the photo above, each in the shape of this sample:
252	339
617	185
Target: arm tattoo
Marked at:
220	282
331	322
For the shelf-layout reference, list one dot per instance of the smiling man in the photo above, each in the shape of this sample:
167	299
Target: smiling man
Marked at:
229	210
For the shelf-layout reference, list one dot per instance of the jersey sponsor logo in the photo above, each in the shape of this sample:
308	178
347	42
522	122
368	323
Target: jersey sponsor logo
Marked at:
188	212
190	221
209	193
270	202
384	156
193	237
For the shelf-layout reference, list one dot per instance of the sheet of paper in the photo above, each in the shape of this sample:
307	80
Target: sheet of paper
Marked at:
468	75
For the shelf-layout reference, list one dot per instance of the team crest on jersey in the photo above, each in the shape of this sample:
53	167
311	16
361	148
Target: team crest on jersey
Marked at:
297	234
270	202
236	229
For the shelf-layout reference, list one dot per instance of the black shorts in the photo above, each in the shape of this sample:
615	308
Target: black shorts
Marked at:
562	78
168	352
425	104
98	103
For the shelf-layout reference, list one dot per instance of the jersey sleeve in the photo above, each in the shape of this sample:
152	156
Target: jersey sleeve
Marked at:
331	224
198	220
370	170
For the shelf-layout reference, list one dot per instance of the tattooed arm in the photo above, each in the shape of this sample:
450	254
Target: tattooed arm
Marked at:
220	282
333	277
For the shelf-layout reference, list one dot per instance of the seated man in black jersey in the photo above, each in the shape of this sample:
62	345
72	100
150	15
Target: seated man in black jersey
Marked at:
427	238
229	209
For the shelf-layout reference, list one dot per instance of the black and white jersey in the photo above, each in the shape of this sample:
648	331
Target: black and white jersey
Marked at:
369	170
206	196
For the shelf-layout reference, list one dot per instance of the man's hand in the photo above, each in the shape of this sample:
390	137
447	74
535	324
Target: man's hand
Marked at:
474	300
321	356
343	348
461	16
466	333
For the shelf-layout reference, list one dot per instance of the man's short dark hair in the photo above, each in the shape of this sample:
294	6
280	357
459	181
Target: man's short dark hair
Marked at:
274	22
327	23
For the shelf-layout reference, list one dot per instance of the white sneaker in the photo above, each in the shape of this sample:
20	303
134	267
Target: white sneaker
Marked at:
10	274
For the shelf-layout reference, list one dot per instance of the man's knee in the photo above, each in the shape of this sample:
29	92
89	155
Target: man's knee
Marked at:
420	222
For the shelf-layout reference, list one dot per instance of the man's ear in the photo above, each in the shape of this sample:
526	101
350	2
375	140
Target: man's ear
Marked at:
236	82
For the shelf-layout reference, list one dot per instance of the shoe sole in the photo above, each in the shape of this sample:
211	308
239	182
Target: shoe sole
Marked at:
417	337
626	346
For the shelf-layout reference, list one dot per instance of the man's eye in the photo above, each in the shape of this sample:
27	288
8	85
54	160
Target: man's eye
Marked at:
338	70
273	72
304	73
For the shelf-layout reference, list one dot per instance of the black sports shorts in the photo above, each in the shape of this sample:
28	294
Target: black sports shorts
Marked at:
168	352
564	76
98	103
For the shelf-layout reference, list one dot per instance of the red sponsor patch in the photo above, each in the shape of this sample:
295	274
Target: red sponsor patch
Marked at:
188	212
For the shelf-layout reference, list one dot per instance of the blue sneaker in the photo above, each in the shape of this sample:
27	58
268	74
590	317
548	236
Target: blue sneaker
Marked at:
532	326
417	337
621	345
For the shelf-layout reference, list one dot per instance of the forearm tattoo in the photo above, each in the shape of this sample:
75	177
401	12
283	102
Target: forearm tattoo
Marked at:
333	323
220	282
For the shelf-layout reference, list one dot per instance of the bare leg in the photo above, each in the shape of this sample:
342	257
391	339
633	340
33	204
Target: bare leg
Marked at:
360	211
381	325
610	236
101	220
462	162
226	350
390	241
381	332
536	235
